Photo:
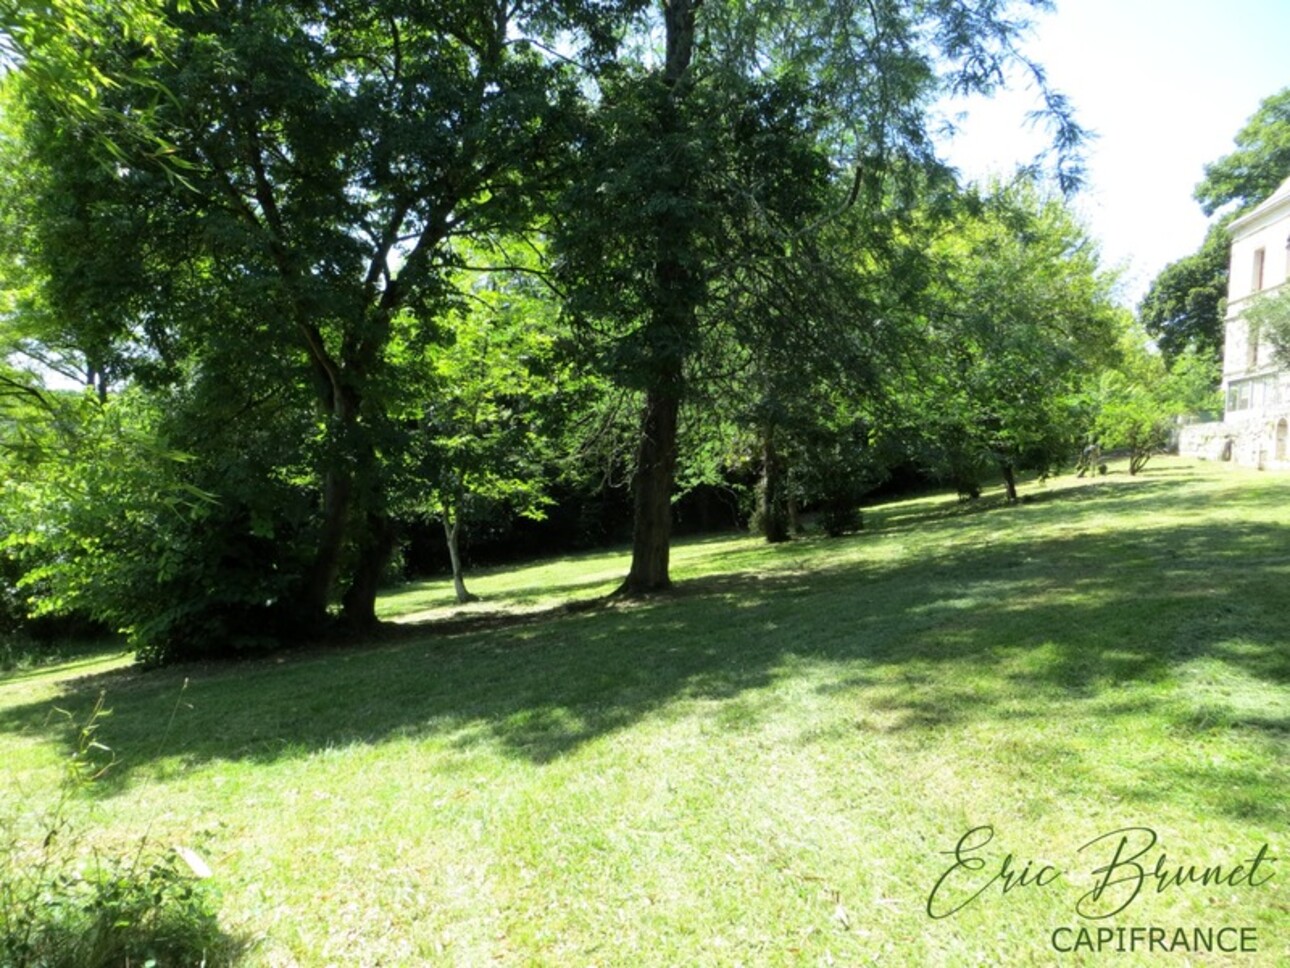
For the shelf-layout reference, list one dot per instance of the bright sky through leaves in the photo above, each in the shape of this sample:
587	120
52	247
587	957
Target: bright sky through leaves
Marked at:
1165	84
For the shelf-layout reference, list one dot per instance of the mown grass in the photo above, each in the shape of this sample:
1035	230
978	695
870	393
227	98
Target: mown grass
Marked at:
764	768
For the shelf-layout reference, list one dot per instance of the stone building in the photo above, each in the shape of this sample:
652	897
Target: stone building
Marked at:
1255	430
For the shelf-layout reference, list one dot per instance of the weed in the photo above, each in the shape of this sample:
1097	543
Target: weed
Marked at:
66	903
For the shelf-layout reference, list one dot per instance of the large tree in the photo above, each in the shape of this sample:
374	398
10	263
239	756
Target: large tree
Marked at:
1260	163
1185	305
1021	316
320	158
688	159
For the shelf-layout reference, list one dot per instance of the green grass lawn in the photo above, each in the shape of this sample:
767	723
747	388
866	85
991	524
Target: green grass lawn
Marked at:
765	768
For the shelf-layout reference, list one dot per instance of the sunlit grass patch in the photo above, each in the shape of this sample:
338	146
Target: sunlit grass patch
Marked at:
764	767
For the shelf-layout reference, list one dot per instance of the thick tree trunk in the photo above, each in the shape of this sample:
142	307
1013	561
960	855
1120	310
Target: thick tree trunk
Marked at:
340	505
452	531
774	511
794	516
652	494
338	492
1009	482
374	550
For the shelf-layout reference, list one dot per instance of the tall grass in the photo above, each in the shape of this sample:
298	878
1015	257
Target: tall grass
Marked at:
68	903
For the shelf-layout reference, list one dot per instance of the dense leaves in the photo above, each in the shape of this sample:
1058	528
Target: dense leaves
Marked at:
331	155
1259	164
1140	397
1186	303
1268	315
1024	317
740	130
329	270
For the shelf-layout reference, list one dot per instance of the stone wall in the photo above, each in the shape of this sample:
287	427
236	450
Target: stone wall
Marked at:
1207	441
1262	441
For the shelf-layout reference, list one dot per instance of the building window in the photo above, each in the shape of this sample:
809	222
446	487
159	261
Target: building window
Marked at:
1259	393
1282	430
1256	281
1252	346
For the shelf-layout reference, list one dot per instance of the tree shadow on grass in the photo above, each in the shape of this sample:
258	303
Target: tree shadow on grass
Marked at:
935	643
1066	490
1170	490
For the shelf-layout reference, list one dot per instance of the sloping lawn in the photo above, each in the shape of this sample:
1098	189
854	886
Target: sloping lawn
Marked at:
766	767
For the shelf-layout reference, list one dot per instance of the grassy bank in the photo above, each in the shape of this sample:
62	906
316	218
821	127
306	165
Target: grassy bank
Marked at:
764	768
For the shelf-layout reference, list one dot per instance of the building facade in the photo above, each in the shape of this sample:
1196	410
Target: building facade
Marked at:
1255	430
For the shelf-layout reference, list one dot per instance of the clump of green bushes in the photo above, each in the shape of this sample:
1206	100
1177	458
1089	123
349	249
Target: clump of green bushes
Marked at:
64	904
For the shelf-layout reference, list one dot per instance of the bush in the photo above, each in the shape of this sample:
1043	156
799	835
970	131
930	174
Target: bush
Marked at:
841	518
187	558
65	906
835	471
145	907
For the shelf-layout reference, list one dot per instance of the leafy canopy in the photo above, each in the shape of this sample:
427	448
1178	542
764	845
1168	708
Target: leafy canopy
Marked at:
1260	163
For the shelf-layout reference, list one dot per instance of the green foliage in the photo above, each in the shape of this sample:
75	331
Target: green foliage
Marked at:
1131	416
1185	305
707	174
493	399
496	390
66	904
59	47
836	472
1260	163
1139	400
1268	314
248	229
144	908
1021	316
120	528
330	157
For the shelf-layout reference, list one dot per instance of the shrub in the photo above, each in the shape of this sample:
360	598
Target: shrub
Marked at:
840	518
63	905
186	558
835	471
145	907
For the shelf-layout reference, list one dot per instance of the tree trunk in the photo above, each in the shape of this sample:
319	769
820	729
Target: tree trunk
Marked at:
374	551
452	531
774	515
339	484
96	379
338	492
670	329
1009	482
652	494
